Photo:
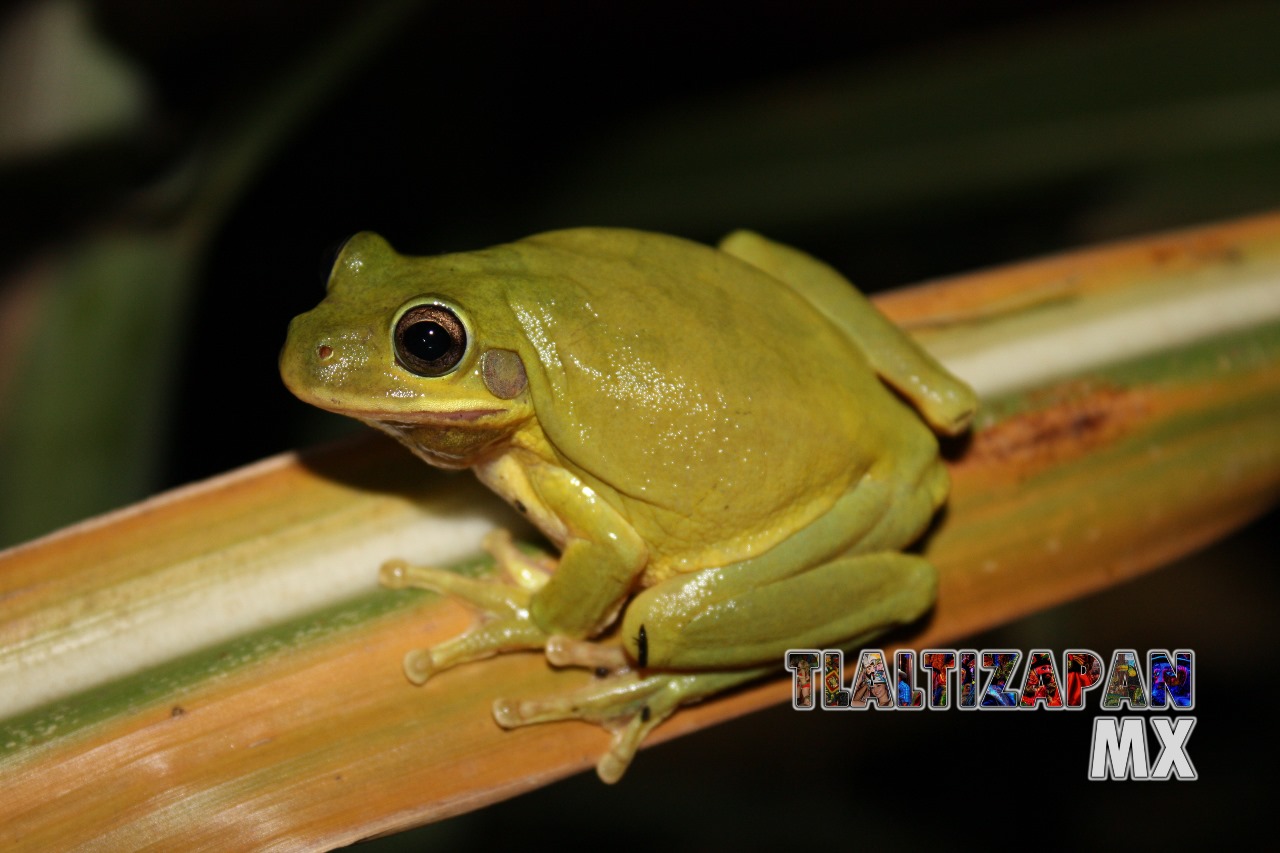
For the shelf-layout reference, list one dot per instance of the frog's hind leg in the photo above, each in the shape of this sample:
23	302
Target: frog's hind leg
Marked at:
946	402
629	706
697	635
730	619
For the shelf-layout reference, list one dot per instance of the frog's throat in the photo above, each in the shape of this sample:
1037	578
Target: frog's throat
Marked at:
444	445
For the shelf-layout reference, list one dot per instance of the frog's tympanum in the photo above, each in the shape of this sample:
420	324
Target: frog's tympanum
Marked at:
729	447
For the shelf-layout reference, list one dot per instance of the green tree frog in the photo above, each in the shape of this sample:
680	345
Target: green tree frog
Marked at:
707	435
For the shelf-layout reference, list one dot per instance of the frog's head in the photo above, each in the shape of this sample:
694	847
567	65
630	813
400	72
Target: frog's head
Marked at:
418	347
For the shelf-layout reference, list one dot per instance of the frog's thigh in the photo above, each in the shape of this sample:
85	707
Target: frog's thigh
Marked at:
731	618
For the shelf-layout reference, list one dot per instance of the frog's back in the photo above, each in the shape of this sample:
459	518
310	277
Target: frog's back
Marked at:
721	409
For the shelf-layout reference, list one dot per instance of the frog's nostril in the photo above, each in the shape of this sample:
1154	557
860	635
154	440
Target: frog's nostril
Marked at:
324	351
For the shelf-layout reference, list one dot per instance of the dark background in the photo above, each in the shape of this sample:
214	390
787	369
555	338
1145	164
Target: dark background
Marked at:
896	141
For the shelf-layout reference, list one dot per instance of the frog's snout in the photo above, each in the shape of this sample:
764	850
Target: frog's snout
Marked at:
304	357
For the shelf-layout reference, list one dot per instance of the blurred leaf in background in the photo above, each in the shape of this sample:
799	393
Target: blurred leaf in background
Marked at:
61	85
95	353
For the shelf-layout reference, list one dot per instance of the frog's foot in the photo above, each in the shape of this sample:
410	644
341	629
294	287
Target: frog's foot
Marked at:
602	658
509	627
628	705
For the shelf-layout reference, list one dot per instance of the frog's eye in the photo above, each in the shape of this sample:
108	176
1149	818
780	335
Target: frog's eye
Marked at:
430	340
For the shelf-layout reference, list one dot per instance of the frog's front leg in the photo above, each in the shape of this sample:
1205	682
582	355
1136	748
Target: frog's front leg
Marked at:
600	559
505	604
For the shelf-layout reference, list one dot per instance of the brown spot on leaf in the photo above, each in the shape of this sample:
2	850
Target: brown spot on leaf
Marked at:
1063	421
1195	250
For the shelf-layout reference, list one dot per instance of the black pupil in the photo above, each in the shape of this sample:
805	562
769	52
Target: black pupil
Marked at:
427	340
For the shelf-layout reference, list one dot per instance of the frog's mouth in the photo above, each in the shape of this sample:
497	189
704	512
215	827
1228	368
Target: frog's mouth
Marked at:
421	418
